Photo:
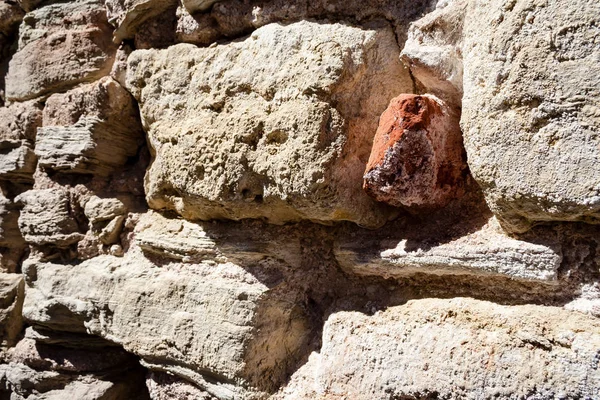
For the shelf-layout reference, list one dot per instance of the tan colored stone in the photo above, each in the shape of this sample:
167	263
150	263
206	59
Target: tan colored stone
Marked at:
128	15
12	244
91	129
486	251
210	322
11	304
46	218
18	126
453	349
60	46
278	126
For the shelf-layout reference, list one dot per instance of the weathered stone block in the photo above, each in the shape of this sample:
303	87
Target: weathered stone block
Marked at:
12	244
127	15
210	322
60	45
486	251
433	51
18	125
277	126
531	109
417	160
46	218
11	304
531	98
90	129
453	349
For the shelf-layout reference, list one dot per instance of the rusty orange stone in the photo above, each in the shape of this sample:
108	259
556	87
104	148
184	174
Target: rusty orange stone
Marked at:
417	159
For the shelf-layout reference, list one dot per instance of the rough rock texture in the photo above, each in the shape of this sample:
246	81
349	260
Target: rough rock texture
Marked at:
11	302
198	323
188	221
162	386
12	244
10	18
127	15
485	251
531	109
530	104
91	129
264	122
417	158
60	45
18	124
46	218
236	17
396	354
434	54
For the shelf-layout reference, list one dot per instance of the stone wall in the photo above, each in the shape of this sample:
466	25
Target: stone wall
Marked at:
293	199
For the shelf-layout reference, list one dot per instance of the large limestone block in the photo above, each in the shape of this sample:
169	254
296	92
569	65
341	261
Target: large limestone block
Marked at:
11	304
26	383
91	129
210	322
60	45
278	126
453	349
531	108
531	84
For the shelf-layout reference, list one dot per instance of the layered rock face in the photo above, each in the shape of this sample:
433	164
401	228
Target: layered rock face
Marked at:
239	200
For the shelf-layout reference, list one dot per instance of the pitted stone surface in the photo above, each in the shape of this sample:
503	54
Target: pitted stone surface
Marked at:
417	158
275	126
531	108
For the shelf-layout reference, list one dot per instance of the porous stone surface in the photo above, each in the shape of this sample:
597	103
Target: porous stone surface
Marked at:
188	220
417	158
60	45
529	109
265	121
12	244
18	125
433	51
396	353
